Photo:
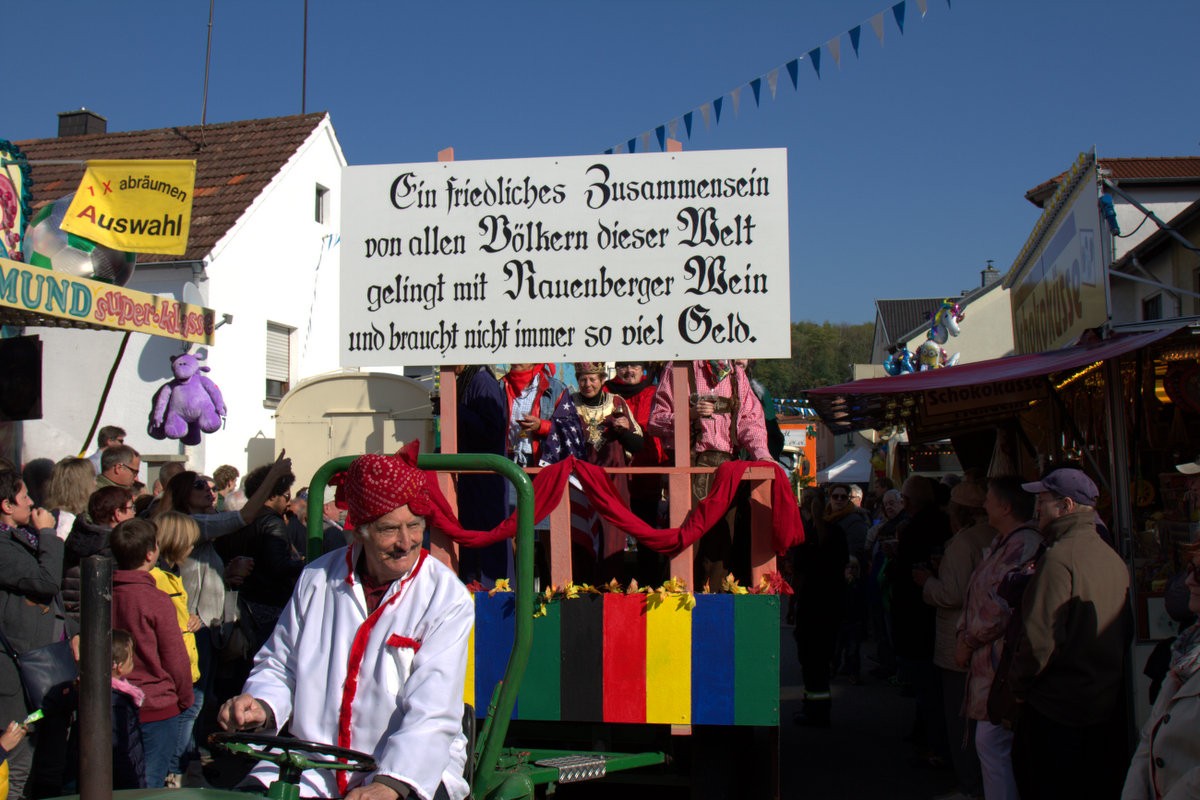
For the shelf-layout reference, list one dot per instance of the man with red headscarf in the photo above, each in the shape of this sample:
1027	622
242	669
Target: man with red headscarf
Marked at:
371	650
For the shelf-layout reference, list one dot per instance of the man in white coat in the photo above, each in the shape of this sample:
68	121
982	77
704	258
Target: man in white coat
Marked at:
371	651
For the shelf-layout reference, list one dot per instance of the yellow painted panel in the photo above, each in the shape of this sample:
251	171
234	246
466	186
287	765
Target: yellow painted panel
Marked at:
469	686
668	662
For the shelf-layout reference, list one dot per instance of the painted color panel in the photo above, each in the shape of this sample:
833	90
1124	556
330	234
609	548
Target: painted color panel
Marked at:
624	658
756	660
469	683
493	642
713	659
539	697
668	662
582	665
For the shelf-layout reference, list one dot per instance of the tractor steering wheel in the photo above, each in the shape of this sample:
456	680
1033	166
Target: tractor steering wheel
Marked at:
285	753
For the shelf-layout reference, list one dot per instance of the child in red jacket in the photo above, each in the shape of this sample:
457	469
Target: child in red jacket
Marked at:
161	668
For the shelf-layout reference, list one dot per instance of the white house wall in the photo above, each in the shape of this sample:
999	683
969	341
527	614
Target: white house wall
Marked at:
277	265
282	267
1165	201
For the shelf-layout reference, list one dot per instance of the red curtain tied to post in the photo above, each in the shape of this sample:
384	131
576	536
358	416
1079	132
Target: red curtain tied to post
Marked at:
787	529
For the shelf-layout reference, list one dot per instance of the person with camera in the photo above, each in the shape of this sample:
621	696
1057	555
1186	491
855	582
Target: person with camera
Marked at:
31	611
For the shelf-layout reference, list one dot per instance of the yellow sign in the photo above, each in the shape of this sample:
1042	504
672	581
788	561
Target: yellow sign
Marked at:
1059	286
136	206
57	294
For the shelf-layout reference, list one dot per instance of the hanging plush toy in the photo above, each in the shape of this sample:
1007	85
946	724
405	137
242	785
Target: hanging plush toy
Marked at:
188	405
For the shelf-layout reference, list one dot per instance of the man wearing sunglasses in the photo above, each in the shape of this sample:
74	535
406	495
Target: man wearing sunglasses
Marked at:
119	466
277	565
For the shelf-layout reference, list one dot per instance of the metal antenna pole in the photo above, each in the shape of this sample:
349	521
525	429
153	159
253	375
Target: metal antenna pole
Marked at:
304	62
207	61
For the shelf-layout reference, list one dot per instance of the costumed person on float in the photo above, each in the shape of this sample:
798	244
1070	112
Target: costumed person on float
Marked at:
380	630
612	436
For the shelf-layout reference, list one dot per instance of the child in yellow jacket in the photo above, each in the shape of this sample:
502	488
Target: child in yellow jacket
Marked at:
177	535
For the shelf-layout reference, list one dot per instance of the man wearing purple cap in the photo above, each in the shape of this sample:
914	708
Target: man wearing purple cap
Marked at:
371	651
1068	666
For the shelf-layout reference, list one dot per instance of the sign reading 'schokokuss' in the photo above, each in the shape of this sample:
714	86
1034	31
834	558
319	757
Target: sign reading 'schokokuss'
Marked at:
658	256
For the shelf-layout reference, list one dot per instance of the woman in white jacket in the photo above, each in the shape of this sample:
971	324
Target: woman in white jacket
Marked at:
1167	762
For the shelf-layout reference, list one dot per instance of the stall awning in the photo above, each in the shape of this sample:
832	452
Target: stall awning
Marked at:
945	397
853	467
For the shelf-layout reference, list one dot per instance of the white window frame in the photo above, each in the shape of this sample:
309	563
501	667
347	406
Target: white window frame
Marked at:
278	367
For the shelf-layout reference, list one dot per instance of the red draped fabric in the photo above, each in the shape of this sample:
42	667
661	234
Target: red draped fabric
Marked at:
548	485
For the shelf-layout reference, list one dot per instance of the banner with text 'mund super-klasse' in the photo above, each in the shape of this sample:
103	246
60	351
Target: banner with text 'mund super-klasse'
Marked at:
654	256
135	206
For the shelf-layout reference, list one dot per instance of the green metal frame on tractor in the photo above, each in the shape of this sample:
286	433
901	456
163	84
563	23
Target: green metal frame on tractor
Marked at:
500	774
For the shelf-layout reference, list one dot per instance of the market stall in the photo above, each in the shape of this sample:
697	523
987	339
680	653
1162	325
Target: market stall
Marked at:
1126	409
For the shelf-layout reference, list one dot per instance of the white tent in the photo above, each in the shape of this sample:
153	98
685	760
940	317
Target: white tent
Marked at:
854	467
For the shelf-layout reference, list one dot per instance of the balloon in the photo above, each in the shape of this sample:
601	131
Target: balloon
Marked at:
952	360
938	334
891	364
47	245
906	361
952	319
929	354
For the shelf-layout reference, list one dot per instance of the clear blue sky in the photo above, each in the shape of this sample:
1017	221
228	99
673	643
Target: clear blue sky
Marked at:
907	165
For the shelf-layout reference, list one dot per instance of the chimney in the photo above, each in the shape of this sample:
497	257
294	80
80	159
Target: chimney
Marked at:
80	123
989	275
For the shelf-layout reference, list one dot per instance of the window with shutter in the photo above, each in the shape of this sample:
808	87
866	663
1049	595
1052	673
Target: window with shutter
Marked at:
279	361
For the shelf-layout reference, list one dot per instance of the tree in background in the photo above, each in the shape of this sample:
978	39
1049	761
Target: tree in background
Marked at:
821	356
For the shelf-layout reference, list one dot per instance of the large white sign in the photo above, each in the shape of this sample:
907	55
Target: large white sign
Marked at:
654	256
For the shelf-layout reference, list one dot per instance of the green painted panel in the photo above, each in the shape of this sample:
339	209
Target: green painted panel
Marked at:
756	659
540	690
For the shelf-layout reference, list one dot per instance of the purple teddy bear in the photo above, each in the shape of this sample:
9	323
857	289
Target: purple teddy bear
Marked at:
187	405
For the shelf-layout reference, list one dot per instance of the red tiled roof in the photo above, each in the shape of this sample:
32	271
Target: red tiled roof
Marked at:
1132	170
234	163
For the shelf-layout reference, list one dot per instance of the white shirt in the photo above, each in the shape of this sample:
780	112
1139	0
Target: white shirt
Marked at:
404	695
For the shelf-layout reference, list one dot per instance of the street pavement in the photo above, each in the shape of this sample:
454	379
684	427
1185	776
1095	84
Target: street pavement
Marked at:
863	753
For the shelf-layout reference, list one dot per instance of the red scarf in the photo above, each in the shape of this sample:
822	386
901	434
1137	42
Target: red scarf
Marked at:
517	381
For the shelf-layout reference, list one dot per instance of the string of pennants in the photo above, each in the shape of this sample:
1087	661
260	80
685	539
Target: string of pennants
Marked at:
710	113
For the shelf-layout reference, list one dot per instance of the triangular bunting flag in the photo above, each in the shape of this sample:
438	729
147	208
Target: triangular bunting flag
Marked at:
646	141
736	96
673	128
608	152
687	123
661	133
720	101
923	7
632	145
898	13
756	87
705	116
619	149
855	33
793	68
773	81
835	51
814	56
877	26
